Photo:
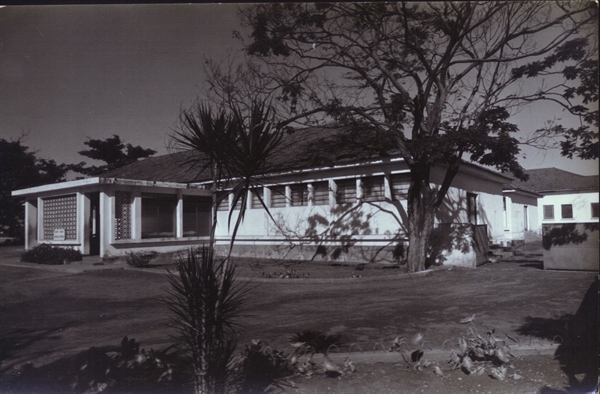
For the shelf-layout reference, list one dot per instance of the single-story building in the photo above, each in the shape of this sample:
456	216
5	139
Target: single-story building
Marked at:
328	197
568	212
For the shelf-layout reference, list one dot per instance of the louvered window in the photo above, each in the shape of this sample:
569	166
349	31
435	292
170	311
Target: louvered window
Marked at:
320	193
373	188
256	204
346	191
548	212
299	195
399	184
222	201
566	211
278	197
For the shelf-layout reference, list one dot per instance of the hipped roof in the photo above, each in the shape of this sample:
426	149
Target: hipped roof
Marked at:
301	149
547	180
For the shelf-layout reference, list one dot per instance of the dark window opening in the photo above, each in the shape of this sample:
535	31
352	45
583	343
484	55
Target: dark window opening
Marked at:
472	208
158	215
595	210
566	211
196	216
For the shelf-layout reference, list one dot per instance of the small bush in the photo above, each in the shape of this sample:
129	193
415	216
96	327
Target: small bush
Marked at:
52	255
263	369
140	259
316	340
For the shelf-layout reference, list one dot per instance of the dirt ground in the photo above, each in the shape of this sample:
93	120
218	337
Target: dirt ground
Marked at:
46	316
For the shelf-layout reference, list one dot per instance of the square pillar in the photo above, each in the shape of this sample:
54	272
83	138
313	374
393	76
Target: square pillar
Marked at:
31	223
83	223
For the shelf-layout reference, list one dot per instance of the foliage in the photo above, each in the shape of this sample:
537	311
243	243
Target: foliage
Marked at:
140	259
474	353
435	79
287	274
121	369
582	100
20	169
317	341
51	255
412	356
262	369
205	304
113	152
233	147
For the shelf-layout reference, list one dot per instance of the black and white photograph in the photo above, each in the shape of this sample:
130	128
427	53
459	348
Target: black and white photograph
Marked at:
294	197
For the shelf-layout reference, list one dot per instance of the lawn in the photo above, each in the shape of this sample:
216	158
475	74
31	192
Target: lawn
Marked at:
47	316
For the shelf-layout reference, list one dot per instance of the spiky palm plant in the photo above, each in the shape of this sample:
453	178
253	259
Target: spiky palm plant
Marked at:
205	304
210	135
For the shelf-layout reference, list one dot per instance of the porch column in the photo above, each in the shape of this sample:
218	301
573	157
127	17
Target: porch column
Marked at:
83	222
31	224
136	214
106	221
179	215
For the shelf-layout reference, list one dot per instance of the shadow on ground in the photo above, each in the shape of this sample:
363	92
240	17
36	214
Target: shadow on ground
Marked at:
16	341
116	369
578	352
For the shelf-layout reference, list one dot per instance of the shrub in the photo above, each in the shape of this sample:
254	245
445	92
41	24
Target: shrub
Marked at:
48	254
263	369
316	340
140	259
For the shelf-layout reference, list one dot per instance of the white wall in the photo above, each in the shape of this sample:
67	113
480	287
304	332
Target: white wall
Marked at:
582	209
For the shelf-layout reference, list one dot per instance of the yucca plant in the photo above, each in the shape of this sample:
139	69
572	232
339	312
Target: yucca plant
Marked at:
205	304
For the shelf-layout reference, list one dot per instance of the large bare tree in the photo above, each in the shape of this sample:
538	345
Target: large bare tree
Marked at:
439	79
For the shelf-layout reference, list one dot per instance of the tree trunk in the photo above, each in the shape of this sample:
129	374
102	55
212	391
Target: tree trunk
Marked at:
420	227
421	217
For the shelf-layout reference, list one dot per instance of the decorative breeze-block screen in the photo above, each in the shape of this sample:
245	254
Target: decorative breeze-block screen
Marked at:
60	213
122	215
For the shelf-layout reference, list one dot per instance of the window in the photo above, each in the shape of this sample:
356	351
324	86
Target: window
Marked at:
548	212
278	197
222	201
373	188
299	195
595	210
320	193
472	208
255	202
346	191
399	184
196	216
158	215
525	218
566	211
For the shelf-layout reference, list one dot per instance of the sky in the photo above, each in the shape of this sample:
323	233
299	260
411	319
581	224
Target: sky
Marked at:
69	73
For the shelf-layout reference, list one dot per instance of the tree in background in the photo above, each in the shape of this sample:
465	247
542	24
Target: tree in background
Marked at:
113	152
19	169
580	100
437	79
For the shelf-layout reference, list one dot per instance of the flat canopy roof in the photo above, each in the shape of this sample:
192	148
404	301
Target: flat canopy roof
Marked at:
98	181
